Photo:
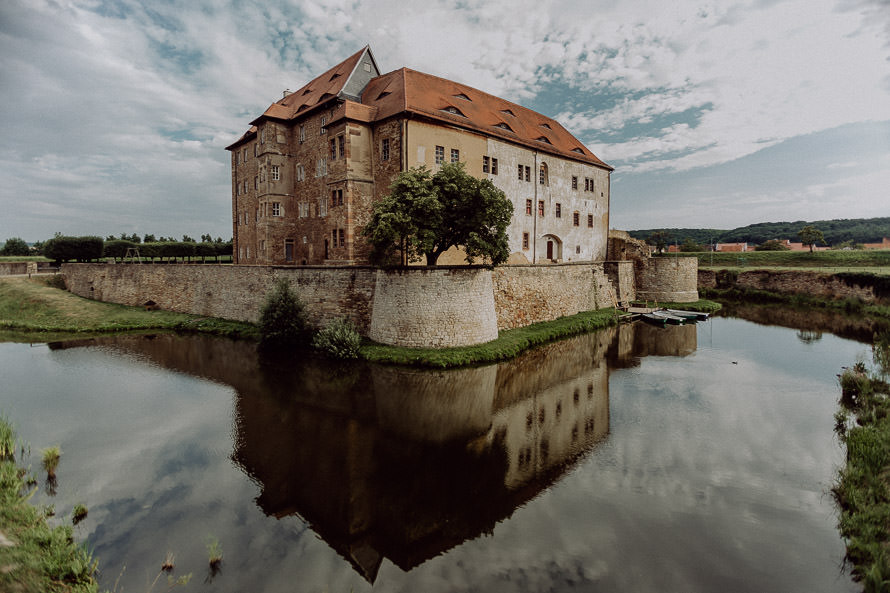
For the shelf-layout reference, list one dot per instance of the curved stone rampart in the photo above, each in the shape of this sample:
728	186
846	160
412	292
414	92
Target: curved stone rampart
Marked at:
667	279
433	307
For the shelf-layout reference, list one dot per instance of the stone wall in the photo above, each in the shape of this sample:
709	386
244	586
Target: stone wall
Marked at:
667	279
10	268
417	307
816	284
229	292
436	308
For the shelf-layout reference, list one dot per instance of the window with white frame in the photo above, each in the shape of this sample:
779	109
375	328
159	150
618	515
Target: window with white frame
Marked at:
486	164
322	207
276	173
301	172
276	209
321	167
302	133
455	155
440	155
324	120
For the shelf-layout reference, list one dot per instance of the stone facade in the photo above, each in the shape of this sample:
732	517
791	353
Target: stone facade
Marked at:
816	284
426	307
307	173
667	279
12	268
433	307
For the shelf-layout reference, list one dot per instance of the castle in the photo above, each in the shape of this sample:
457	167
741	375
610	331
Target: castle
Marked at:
307	172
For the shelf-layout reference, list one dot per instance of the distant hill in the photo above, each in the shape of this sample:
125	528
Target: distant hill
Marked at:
858	230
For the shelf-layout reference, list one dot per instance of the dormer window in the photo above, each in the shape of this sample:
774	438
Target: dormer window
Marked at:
546	125
325	96
508	112
453	110
578	150
543	139
383	94
306	92
335	75
462	96
503	126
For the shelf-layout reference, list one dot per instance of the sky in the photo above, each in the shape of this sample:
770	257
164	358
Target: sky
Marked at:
116	114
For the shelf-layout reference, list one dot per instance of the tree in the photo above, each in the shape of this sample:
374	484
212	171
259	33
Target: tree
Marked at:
660	240
426	214
15	246
689	245
772	245
283	316
809	235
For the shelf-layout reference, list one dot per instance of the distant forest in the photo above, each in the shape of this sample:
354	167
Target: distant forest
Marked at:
858	230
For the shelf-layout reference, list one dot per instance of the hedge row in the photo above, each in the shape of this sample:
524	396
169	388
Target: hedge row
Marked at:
62	249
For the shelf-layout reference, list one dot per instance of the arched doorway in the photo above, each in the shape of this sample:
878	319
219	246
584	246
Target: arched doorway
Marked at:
553	248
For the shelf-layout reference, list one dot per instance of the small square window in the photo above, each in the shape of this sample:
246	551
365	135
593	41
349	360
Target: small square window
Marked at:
440	155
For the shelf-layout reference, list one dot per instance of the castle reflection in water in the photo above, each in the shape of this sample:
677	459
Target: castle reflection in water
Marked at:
404	464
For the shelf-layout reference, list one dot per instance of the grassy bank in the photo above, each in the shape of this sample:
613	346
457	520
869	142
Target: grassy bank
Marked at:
33	305
800	301
862	491
34	557
840	260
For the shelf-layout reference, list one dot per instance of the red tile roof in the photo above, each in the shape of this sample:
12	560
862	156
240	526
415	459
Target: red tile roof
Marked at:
408	91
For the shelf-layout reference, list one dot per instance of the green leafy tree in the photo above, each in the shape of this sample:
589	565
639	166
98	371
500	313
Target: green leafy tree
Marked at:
810	235
426	214
148	239
772	245
660	240
283	316
689	245
15	246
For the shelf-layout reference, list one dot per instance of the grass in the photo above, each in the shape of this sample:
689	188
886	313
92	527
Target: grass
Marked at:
79	513
508	344
862	490
29	305
863	258
51	456
800	301
42	559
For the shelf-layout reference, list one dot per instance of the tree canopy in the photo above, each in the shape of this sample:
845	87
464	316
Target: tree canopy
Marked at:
15	246
425	214
810	235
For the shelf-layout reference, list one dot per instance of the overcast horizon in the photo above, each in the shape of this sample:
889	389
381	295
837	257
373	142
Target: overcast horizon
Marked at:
117	113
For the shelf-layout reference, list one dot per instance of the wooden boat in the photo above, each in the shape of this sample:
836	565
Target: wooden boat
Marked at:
694	315
654	319
669	318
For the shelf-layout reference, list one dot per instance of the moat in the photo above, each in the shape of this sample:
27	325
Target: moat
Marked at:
693	458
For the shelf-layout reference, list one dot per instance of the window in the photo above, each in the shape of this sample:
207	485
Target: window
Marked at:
525	240
303	210
528	207
276	208
590	221
577	249
455	155
528	173
574	182
342	234
341	143
588	184
321	167
256	182
486	164
301	173
519	171
440	155
289	250
322	207
542	175
302	133
576	218
558	212
245	186
333	149
322	129
540	207
244	154
276	173
336	197
494	166
263	136
384	149
333	237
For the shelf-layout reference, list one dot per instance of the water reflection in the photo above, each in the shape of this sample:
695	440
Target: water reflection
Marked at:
386	462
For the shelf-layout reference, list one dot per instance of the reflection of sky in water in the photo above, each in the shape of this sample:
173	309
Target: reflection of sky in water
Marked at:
714	476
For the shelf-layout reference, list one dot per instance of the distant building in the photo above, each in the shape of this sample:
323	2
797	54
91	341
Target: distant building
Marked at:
731	247
307	172
885	244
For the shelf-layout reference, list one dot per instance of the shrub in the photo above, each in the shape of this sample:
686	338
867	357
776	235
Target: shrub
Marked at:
772	245
15	246
51	457
283	317
79	514
340	339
